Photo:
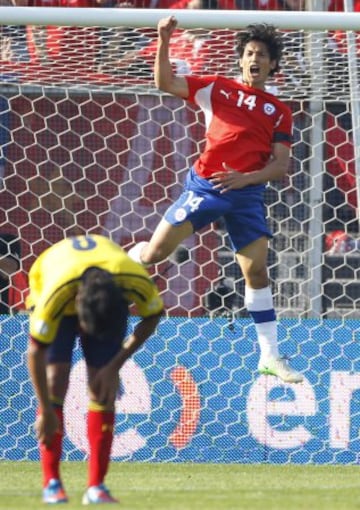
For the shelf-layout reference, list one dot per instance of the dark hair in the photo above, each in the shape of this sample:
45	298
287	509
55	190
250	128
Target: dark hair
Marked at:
101	305
267	34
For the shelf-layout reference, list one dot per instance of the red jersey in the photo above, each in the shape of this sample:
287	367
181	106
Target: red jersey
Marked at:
241	122
18	291
338	5
62	3
183	4
271	5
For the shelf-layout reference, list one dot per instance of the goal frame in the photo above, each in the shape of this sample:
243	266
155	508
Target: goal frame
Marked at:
311	21
200	373
88	16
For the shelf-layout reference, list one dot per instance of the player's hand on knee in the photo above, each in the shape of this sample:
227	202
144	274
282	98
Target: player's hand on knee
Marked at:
105	386
46	425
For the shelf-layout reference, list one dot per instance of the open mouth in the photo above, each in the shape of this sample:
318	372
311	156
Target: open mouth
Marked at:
254	70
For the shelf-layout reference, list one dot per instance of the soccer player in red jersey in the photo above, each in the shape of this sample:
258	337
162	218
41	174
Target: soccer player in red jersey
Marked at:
280	5
248	139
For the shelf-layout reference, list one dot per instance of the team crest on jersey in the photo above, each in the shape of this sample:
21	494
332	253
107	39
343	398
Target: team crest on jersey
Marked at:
269	108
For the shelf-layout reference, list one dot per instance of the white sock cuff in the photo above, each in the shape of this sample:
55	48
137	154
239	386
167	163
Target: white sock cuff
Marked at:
257	300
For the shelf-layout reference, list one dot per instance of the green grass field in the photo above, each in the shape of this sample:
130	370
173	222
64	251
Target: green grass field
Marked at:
195	486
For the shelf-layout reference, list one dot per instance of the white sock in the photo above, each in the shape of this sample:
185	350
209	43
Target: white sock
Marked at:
259	303
267	338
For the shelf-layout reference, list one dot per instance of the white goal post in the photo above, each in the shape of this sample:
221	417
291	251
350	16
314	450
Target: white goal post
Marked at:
193	18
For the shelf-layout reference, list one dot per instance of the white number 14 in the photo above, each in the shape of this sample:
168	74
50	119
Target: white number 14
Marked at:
249	101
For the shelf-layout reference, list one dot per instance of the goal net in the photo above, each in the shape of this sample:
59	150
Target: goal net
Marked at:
88	145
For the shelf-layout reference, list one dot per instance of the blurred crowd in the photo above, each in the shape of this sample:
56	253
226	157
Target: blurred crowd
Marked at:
115	46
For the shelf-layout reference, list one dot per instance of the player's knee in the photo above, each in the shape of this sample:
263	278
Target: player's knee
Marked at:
256	278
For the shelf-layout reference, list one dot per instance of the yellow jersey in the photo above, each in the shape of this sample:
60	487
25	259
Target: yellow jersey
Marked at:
56	274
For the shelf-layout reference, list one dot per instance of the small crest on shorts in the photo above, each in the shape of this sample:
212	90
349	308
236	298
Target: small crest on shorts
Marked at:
180	214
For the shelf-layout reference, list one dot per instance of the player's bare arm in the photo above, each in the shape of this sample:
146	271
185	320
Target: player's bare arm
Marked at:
143	330
105	384
165	79
277	167
46	421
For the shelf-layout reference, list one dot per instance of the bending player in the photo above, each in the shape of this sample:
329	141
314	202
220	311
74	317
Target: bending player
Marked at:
248	139
83	286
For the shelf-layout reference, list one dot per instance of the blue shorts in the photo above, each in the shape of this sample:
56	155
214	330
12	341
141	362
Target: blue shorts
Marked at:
243	210
96	353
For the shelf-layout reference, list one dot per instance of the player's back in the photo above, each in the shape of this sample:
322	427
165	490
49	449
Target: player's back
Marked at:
62	265
73	255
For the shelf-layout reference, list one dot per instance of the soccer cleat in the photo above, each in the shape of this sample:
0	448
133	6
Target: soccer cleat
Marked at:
279	368
98	494
54	493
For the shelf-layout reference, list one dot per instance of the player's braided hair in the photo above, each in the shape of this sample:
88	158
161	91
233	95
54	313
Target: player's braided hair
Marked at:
101	305
267	34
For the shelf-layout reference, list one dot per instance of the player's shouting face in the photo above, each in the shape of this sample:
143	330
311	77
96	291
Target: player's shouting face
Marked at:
256	64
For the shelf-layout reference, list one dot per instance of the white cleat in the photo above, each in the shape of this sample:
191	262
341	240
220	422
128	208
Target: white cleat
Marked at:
279	368
98	494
